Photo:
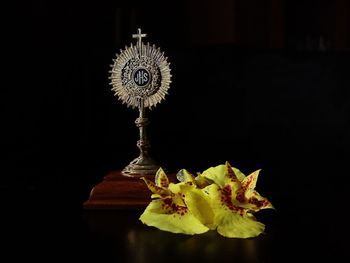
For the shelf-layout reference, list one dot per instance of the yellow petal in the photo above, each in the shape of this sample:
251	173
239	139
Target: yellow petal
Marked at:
223	173
249	182
175	188
156	189
216	174
257	202
161	179
230	173
231	220
239	174
179	190
178	200
201	181
231	178
165	216
153	196
247	187
181	187
236	226
199	205
221	198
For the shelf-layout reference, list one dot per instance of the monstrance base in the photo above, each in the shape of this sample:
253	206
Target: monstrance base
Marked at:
141	166
118	191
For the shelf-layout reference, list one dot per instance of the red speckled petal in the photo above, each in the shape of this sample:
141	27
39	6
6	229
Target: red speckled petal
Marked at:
164	215
161	179
156	189
249	182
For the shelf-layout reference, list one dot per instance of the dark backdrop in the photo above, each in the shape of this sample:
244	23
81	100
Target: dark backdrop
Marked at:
263	84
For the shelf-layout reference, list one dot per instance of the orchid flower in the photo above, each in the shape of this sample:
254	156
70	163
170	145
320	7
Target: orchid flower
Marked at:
168	210
233	200
221	198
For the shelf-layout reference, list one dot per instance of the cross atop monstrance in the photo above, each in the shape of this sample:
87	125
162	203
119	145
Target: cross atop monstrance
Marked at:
139	37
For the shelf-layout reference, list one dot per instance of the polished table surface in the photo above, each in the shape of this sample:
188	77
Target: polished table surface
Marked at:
52	226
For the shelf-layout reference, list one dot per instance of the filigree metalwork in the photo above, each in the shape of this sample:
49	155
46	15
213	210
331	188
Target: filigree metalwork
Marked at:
141	71
140	77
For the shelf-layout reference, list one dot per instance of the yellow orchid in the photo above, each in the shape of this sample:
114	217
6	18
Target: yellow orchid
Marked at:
221	198
233	200
168	211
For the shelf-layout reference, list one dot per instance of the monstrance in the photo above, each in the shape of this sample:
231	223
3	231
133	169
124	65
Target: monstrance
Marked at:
140	78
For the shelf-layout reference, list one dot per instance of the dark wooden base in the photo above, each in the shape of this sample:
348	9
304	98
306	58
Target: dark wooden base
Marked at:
117	191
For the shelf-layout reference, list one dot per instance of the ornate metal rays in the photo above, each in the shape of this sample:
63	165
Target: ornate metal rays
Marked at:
141	71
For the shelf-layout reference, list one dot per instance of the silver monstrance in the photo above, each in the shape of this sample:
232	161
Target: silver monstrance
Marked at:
141	77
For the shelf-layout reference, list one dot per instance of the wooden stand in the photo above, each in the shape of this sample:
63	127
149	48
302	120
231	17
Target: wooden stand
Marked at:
118	191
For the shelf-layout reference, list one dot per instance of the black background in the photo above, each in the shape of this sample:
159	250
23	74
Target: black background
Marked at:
253	84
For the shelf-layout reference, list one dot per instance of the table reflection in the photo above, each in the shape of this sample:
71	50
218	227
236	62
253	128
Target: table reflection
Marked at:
140	243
